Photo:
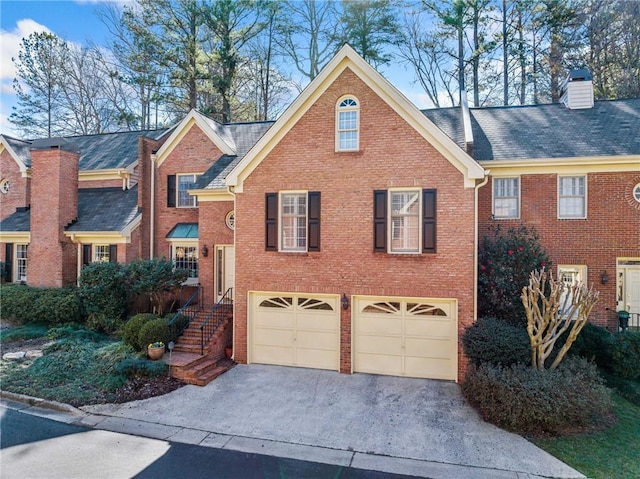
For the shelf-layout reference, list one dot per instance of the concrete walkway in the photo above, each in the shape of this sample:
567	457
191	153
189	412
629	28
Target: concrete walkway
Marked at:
400	425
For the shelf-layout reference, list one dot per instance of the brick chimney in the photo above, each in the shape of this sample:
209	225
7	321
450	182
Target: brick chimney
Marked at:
577	90
54	205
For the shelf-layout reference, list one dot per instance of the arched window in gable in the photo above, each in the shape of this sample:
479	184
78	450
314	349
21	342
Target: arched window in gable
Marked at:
347	124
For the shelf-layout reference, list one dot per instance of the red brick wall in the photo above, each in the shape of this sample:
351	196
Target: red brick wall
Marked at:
18	194
52	256
145	147
212	231
391	154
611	229
194	154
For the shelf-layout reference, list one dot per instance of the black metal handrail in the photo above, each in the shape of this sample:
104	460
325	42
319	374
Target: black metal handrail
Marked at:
215	318
186	314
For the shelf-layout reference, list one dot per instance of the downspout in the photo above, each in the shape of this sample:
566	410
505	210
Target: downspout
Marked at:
475	247
230	190
152	206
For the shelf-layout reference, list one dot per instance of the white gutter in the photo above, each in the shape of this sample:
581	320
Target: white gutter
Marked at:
230	190
475	247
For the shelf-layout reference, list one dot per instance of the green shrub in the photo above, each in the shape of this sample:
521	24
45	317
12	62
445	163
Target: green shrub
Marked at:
103	289
51	306
180	323
494	341
505	261
131	330
104	324
530	401
625	355
154	330
593	343
142	367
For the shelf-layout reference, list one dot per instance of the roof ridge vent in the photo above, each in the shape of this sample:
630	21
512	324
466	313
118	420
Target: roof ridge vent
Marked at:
577	89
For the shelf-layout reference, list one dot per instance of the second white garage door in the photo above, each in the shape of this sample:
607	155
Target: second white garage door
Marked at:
415	337
295	330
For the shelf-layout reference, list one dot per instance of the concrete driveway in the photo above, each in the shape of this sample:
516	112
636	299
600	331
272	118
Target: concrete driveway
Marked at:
380	416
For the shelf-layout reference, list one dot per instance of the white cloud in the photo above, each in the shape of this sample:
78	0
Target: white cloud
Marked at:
10	45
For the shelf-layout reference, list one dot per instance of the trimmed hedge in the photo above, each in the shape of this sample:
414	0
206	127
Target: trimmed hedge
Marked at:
593	343
154	330
625	355
50	306
131	367
493	341
528	401
131	330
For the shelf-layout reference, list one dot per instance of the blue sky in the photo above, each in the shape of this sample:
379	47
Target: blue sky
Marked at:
76	21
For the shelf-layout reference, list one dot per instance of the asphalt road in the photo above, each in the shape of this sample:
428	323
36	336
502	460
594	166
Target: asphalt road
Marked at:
38	448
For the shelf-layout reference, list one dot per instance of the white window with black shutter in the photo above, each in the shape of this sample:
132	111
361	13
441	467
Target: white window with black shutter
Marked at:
292	221
178	187
404	221
99	253
15	262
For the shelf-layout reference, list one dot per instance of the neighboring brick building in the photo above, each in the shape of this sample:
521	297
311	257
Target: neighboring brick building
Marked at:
348	229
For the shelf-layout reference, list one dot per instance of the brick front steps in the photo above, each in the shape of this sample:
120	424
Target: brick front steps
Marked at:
195	369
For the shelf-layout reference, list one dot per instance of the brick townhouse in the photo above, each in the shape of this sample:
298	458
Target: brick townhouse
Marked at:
347	230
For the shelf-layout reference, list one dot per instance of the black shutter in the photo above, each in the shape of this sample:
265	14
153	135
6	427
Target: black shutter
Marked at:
313	221
171	191
380	221
86	254
428	221
113	253
271	222
8	262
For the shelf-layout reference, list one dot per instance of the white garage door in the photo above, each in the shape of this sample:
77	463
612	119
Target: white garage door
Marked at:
295	330
415	337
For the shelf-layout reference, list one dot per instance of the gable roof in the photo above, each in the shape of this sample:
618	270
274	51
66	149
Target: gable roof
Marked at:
348	58
246	135
610	128
97	152
105	209
218	133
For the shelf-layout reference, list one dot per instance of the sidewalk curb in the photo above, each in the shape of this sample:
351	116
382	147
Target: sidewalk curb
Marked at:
43	403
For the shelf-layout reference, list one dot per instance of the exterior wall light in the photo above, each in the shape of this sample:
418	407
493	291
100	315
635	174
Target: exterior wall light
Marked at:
205	251
345	301
604	277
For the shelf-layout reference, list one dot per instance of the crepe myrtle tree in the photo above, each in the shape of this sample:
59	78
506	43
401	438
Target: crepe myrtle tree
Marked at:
552	308
505	260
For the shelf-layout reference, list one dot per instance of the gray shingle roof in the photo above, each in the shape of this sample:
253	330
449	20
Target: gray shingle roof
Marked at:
105	209
99	209
245	135
97	152
16	222
547	131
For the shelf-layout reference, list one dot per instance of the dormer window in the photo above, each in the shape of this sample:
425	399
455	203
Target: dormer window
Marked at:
347	124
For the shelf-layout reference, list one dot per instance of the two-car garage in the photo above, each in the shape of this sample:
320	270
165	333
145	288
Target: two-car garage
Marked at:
414	337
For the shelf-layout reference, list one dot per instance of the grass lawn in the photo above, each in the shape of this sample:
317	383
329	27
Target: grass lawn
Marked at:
607	454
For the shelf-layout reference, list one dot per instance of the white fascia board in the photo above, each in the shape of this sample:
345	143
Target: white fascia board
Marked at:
348	58
23	168
179	132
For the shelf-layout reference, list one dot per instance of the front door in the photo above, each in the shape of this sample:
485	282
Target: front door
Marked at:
225	269
629	286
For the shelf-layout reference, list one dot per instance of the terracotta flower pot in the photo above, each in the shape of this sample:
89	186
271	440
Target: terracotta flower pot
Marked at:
155	353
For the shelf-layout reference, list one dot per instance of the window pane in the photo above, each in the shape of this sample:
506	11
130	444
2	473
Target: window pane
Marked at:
186	257
186	182
21	262
294	222
405	221
101	253
505	197
571	197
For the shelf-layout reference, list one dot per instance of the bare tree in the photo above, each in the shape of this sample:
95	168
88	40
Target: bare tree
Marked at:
552	308
307	34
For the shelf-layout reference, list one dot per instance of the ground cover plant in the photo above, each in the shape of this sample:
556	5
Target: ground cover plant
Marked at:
611	453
